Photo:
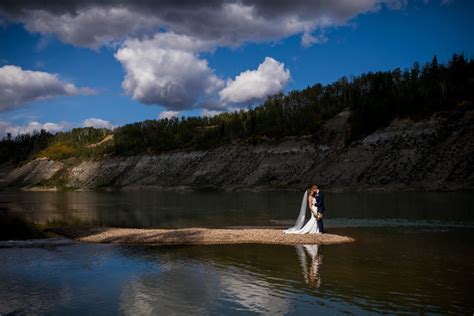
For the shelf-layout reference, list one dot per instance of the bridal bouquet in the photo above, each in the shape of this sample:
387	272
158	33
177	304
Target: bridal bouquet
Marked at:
319	216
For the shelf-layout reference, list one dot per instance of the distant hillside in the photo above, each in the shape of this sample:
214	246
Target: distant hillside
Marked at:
436	153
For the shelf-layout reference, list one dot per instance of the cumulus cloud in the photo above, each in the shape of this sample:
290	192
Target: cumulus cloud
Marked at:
97	123
14	129
166	70
18	87
269	78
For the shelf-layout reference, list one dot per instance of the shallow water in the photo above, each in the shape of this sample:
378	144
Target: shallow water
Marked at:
413	255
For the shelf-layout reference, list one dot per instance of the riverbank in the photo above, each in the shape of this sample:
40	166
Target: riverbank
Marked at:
195	236
433	154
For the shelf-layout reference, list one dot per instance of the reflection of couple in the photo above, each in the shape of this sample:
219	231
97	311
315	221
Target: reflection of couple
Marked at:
315	199
311	273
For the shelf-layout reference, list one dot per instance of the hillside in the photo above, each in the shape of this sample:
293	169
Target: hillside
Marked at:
436	153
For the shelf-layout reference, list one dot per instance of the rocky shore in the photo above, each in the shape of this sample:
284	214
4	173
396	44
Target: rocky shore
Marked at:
433	154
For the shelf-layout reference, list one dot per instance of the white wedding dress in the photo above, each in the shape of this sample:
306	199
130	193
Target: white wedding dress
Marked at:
311	226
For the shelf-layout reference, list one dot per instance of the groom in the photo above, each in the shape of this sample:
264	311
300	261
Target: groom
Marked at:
319	196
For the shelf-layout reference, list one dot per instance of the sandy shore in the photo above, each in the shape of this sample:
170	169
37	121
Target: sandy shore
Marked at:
196	236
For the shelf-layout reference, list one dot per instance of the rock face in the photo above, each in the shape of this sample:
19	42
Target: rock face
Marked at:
433	154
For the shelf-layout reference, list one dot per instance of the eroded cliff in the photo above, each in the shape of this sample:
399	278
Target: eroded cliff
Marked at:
432	154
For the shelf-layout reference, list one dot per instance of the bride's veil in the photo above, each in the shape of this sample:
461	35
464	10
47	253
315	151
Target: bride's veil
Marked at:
300	220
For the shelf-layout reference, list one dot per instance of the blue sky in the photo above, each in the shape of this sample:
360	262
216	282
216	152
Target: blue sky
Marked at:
381	37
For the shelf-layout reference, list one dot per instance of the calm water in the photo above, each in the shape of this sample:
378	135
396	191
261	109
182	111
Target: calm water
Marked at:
413	255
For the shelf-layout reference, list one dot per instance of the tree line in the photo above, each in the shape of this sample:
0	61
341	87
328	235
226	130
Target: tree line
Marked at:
74	143
374	98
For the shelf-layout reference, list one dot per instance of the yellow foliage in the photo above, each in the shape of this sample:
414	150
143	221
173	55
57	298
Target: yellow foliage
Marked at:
57	151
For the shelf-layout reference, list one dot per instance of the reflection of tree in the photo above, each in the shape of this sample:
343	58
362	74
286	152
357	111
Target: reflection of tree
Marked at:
311	270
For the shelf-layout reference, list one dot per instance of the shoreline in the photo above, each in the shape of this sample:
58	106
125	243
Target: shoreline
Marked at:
195	236
232	189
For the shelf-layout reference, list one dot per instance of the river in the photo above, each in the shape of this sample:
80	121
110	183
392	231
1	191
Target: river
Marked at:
413	255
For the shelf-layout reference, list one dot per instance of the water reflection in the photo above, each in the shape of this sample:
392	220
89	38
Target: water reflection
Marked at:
419	273
217	209
171	291
201	289
203	280
311	268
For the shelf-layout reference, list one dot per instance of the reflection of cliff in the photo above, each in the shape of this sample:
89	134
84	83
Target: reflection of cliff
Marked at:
87	208
56	208
166	209
432	154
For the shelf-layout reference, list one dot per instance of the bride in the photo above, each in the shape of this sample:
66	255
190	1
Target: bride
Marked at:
311	226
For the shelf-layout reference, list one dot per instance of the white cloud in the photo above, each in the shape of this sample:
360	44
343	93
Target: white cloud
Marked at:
165	70
97	123
18	87
254	85
14	130
168	114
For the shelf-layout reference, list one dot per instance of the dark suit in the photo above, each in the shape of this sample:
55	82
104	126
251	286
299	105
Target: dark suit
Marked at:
320	205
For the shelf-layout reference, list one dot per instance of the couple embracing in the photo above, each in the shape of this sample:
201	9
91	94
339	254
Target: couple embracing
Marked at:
315	199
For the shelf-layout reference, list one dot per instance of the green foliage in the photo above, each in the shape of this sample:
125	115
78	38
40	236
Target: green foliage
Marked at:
23	146
377	98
